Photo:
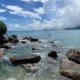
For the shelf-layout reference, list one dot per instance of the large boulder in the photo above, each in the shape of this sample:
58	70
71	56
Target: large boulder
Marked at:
71	52
13	39
4	39
52	54
6	46
1	53
70	69
25	59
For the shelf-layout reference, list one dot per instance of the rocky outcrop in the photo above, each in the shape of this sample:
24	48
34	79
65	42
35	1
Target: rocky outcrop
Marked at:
52	54
25	59
36	49
4	39
71	52
5	46
70	69
13	39
1	53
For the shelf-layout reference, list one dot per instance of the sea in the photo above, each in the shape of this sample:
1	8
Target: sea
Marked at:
47	68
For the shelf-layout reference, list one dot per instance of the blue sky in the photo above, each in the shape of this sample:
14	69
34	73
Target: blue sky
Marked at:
40	14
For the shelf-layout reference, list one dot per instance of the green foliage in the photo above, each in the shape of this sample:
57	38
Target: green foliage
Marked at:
3	28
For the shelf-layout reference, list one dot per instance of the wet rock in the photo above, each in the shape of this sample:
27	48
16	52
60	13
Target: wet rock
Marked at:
50	42
15	40
23	41
55	45
1	53
36	49
75	58
25	38
25	59
6	46
12	37
52	54
71	52
39	41
70	69
41	46
4	39
33	40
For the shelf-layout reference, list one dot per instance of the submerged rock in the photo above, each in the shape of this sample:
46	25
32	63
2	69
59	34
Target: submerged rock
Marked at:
50	42
23	41
70	69
52	54
4	39
36	49
25	59
1	53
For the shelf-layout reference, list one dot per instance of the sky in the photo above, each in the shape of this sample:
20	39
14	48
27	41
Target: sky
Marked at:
40	14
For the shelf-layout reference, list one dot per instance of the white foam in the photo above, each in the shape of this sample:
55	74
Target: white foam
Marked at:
12	79
57	42
43	40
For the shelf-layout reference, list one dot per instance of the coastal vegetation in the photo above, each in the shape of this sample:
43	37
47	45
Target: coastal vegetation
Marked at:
3	28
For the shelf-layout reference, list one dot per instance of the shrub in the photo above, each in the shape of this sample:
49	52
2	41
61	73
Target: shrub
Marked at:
3	28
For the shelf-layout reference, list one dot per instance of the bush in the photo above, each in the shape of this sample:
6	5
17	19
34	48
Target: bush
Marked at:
3	28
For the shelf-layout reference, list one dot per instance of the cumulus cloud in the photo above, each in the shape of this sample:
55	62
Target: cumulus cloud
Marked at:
40	10
62	13
3	18
16	26
2	10
16	10
34	0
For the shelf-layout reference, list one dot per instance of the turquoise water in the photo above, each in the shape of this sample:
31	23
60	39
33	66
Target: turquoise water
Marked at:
46	69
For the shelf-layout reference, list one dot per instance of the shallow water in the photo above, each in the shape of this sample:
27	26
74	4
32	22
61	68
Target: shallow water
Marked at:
46	69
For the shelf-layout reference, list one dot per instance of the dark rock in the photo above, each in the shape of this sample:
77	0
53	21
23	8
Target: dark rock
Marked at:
42	46
70	69
52	54
36	49
50	42
55	45
15	40
1	53
33	40
6	46
23	41
25	38
12	37
4	39
24	59
75	58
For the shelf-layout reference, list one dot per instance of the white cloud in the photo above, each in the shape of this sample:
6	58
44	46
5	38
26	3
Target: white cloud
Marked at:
16	10
17	26
14	19
34	0
2	10
40	10
2	18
